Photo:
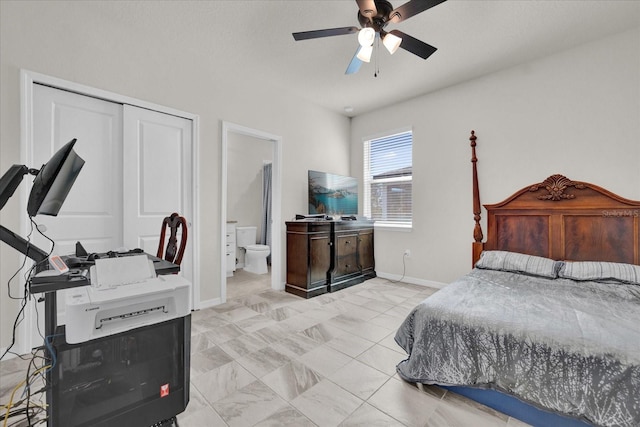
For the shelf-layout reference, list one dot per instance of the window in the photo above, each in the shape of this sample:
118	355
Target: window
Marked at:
388	163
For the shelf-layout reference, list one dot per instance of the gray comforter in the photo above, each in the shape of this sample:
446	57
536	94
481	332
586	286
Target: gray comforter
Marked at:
570	347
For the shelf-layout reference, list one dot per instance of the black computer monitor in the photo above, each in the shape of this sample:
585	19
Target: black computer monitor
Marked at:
54	181
50	188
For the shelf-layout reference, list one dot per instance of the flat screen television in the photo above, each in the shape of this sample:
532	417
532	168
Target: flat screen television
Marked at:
332	194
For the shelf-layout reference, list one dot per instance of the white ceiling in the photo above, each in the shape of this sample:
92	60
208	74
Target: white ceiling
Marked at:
252	40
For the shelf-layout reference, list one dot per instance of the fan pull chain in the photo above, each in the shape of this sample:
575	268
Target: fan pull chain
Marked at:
377	65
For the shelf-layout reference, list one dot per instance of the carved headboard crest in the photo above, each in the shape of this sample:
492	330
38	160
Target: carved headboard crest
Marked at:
556	185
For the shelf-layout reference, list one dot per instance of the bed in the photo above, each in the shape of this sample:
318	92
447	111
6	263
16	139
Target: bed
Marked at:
546	326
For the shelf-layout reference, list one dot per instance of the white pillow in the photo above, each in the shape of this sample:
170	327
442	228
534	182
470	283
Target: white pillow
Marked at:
519	263
601	271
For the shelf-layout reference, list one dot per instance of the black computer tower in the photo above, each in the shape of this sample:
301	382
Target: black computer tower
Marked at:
135	378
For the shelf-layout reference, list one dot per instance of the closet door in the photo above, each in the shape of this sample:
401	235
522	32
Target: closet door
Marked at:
92	212
157	177
137	171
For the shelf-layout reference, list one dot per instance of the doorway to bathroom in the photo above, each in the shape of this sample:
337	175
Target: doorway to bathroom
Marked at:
250	202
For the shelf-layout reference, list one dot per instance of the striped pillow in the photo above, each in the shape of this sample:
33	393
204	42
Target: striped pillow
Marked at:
601	271
519	263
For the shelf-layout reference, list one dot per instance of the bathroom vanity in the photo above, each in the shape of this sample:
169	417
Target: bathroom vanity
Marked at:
326	256
230	248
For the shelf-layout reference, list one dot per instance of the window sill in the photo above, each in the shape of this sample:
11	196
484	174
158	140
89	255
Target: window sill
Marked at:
391	226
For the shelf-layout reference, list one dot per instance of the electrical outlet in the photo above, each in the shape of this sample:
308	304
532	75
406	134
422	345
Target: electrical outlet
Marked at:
407	253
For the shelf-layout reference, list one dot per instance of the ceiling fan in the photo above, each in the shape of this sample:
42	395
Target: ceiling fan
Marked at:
374	15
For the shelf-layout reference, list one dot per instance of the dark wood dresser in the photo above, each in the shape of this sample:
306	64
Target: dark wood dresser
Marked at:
325	256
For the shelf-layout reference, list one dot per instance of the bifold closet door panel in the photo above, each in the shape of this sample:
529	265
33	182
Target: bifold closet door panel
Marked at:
157	180
92	211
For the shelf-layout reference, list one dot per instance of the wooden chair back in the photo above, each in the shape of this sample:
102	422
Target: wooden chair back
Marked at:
172	252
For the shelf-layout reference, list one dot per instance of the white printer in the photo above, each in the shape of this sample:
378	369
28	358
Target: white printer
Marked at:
125	293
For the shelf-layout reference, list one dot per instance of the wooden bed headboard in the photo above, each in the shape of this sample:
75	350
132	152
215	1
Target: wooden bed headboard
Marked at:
561	219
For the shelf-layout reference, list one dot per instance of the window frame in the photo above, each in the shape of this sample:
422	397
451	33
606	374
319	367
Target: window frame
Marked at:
392	225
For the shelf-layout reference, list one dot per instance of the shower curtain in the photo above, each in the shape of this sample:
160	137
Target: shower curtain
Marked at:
265	234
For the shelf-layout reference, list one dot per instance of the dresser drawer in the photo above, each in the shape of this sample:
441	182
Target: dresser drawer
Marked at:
346	244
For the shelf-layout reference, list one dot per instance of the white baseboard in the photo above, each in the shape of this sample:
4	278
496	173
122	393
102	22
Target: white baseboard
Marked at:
209	303
411	280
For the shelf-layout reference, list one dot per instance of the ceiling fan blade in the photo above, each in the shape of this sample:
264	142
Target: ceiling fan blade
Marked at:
304	35
367	8
411	8
355	63
413	45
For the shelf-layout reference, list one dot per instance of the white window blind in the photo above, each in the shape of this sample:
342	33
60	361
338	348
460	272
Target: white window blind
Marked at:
388	163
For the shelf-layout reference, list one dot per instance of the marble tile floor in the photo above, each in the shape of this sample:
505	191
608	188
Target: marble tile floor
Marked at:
244	283
269	358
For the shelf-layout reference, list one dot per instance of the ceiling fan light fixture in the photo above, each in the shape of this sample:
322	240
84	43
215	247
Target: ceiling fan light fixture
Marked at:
391	42
373	16
366	36
364	54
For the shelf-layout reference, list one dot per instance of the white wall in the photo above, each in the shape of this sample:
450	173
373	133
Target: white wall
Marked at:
576	113
91	44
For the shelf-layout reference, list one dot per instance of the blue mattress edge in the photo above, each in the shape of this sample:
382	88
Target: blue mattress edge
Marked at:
516	408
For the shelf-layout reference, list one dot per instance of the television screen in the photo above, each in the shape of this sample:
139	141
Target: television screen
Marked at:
332	194
54	181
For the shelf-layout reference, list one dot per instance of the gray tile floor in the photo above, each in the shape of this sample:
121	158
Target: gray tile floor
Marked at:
268	358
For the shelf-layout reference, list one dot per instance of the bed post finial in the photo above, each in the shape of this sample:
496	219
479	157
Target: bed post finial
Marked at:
477	230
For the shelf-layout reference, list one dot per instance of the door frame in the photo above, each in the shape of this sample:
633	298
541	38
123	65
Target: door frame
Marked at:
27	80
276	205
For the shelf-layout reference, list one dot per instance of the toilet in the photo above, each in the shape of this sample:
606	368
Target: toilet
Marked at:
255	258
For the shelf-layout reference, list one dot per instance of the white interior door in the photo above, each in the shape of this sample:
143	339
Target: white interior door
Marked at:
132	178
92	212
157	177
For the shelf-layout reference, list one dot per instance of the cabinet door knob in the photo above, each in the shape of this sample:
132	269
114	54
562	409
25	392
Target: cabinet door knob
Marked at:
347	242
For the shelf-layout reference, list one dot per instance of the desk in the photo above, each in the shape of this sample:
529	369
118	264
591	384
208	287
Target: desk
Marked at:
49	285
80	277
